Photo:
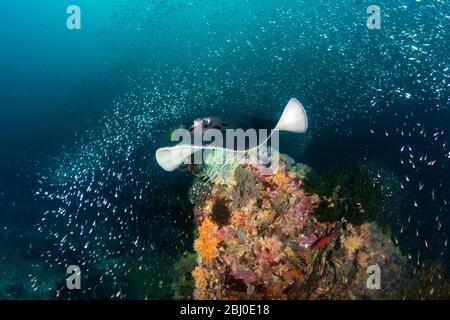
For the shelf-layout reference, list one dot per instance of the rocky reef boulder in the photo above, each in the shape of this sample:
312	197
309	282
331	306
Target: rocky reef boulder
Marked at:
259	238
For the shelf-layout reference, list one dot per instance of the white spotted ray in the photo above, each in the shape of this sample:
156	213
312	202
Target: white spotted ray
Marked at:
293	119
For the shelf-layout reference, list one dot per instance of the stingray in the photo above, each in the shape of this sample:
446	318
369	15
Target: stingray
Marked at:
293	119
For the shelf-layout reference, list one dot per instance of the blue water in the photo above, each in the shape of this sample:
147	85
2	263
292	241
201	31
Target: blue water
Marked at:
83	112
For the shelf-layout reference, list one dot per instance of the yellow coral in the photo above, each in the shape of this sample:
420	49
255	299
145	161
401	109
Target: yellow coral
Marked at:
280	178
206	244
289	252
365	228
362	259
200	276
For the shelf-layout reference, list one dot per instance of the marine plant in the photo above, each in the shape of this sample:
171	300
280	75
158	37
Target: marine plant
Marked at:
347	192
184	285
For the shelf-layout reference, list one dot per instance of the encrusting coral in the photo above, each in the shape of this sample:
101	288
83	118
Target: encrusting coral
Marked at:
260	239
246	186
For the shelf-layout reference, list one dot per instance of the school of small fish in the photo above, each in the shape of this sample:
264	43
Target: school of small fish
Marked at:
110	204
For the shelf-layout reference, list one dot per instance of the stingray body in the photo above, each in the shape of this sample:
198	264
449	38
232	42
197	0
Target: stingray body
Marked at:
293	119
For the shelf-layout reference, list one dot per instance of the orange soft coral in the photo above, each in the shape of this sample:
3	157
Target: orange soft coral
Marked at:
208	240
356	238
280	178
201	277
352	244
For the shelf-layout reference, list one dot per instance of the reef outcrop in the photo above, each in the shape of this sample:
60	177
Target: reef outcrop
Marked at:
259	237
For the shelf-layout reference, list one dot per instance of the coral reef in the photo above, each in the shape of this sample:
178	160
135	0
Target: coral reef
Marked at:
262	237
184	285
